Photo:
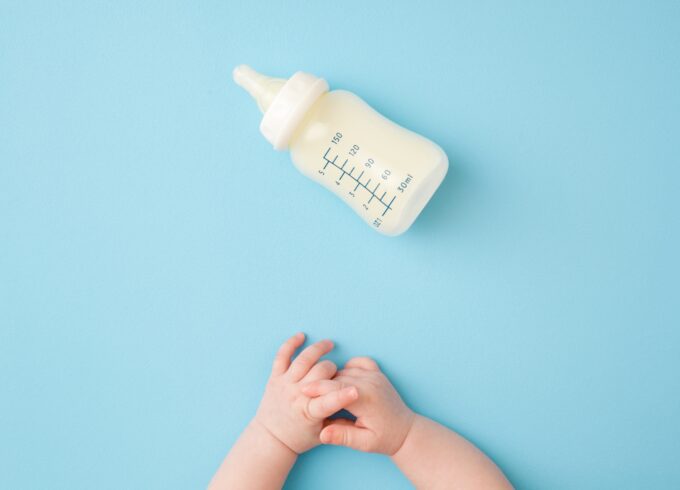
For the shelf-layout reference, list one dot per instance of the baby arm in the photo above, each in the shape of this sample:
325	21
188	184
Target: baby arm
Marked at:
434	457
287	422
430	455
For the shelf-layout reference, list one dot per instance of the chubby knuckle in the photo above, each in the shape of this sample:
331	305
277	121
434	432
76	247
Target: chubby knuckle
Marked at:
311	387
307	409
324	403
303	361
343	388
366	360
371	395
328	366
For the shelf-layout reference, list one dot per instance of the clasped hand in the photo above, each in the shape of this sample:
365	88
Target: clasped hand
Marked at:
293	417
302	393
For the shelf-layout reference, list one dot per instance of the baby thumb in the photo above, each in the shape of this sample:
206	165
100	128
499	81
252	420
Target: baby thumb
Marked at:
342	432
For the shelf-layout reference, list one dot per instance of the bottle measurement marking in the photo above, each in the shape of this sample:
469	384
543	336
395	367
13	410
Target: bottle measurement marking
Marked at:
357	179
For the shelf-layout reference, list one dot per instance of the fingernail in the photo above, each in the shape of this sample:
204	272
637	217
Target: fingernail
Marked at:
325	437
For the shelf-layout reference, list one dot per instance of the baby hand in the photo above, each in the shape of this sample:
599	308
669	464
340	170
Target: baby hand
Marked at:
291	416
383	419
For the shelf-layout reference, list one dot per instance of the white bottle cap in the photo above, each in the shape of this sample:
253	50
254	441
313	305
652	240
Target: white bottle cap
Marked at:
289	107
284	110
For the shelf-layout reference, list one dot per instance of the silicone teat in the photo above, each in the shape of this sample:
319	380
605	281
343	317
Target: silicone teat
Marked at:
260	87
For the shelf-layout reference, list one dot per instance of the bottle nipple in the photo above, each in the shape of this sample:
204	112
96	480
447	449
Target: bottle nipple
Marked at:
284	103
260	87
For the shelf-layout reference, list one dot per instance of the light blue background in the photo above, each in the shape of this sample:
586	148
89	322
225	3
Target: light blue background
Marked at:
155	250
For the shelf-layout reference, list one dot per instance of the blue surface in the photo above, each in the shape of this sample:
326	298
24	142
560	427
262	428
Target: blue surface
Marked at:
155	250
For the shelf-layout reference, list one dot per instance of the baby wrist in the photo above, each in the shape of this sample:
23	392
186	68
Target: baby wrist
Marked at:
267	436
410	434
411	424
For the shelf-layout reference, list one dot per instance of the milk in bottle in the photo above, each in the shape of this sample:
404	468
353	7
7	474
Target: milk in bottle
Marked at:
384	172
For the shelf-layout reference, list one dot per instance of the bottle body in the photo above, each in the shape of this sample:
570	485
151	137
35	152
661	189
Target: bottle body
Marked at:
383	171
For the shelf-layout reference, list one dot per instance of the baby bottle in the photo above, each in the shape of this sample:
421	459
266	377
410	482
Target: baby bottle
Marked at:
384	172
